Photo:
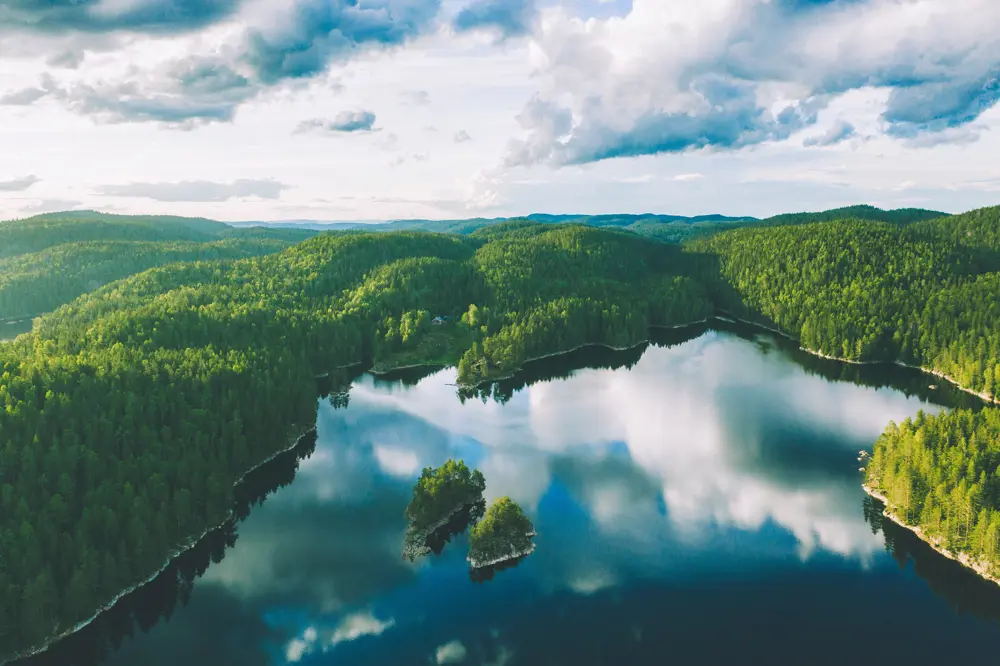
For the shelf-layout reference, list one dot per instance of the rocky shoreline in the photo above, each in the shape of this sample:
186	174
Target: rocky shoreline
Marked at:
937	373
978	566
514	554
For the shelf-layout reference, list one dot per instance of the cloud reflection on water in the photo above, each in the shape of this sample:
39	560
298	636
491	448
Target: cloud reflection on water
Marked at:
730	436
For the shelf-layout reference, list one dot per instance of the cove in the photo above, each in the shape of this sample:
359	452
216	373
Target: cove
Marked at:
697	500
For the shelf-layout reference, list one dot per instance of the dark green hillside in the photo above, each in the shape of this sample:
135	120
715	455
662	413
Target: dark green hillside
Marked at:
869	291
129	412
925	294
31	284
127	415
48	260
864	212
37	233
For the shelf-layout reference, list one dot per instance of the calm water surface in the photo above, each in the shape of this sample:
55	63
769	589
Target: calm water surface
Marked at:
696	502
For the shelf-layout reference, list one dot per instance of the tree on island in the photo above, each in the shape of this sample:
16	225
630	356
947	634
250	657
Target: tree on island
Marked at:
503	534
441	492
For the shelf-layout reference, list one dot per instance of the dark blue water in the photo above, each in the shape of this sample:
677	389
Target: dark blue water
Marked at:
697	502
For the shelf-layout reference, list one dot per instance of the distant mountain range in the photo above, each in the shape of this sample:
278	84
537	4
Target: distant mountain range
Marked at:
618	220
669	228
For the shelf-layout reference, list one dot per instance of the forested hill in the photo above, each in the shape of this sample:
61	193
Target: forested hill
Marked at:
126	415
926	294
49	260
896	216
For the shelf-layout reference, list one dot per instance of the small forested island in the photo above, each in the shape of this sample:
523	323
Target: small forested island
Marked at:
174	354
440	496
503	534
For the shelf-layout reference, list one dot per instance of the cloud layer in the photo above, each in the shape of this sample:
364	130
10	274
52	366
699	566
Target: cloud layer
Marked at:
343	122
727	74
17	184
198	190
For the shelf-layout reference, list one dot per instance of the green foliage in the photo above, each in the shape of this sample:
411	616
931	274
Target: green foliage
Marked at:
925	294
503	533
869	291
940	473
440	492
127	414
39	282
897	216
48	260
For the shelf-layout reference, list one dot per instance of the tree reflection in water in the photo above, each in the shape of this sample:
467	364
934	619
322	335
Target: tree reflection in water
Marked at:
157	600
963	590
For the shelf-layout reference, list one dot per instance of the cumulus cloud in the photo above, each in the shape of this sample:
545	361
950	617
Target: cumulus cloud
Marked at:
18	184
23	97
508	18
280	44
183	94
198	190
841	131
67	59
462	136
150	16
727	74
343	122
314	32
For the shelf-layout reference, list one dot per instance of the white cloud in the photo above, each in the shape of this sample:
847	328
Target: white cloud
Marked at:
450	653
589	81
350	628
397	461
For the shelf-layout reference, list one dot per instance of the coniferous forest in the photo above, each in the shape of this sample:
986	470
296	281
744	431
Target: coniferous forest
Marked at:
128	414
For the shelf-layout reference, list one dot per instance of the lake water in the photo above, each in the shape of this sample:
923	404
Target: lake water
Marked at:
697	501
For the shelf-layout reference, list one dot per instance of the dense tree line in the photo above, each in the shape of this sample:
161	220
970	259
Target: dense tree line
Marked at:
925	294
896	216
940	473
39	282
50	259
872	291
127	415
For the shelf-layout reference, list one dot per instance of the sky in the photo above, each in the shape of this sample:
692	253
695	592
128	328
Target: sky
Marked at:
388	109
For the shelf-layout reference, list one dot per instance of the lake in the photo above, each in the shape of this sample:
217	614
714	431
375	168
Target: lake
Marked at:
697	500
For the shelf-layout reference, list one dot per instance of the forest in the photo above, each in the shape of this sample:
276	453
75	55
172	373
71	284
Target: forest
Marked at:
925	293
940	473
48	260
128	413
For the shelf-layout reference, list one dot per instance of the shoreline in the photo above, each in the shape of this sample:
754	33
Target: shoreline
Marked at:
415	543
171	558
513	373
296	440
474	564
389	371
985	397
961	558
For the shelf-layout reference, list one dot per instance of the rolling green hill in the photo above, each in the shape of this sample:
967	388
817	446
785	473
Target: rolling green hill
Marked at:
48	260
127	414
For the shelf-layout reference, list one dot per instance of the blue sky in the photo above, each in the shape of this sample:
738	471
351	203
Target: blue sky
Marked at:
381	109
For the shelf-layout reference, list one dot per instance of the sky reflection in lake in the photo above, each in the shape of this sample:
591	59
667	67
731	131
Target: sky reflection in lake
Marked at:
710	489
